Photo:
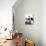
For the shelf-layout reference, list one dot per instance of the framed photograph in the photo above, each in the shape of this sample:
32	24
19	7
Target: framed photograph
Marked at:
29	19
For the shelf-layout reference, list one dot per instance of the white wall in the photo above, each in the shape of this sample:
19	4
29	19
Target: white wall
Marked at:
43	22
30	31
6	13
38	30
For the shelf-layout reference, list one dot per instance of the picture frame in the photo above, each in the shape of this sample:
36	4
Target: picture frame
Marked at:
29	19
